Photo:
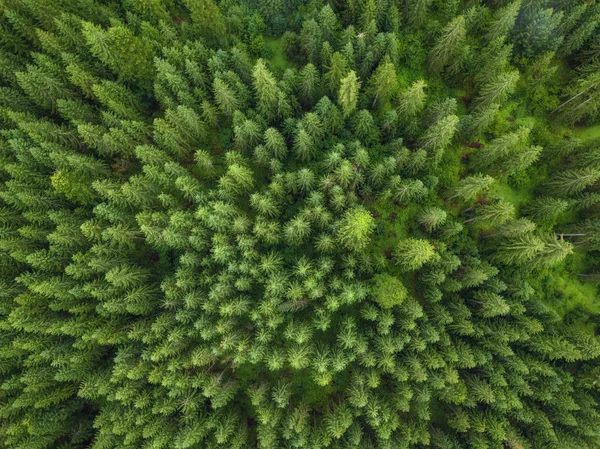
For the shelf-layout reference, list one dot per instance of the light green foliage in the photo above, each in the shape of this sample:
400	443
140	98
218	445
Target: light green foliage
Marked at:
356	229
555	250
124	52
468	188
388	291
500	148
439	135
225	97
432	217
503	20
498	89
520	250
570	182
265	88
448	45
546	208
412	254
412	99
348	94
383	83
494	214
206	16
336	71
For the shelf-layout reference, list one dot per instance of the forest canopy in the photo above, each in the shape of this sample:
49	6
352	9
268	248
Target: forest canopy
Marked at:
300	224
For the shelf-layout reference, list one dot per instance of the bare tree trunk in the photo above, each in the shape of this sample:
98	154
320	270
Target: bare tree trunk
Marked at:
571	99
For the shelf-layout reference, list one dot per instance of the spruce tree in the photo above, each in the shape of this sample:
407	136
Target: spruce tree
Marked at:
348	93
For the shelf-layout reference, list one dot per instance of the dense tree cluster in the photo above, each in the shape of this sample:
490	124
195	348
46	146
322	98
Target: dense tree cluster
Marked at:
299	224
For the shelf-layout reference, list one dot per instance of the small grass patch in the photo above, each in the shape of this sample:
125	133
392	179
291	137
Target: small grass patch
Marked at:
277	61
515	196
587	133
567	294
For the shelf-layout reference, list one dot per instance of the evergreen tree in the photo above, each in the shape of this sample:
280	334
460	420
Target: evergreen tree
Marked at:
498	89
504	20
348	94
388	291
412	99
500	148
554	251
336	71
520	250
412	254
468	188
439	135
432	217
268	95
546	208
417	11
494	214
448	44
571	181
355	230
172	276
383	83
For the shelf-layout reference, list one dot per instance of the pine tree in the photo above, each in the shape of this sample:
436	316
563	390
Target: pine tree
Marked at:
583	101
494	214
468	188
348	94
554	251
439	135
546	208
573	181
448	45
520	250
412	254
383	83
388	291
171	276
491	304
417	11
125	53
431	218
480	121
206	18
500	147
504	20
336	71
412	99
521	160
498	89
356	228
266	90
309	84
225	97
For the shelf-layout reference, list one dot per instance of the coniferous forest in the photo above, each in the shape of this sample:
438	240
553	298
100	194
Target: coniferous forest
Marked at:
281	224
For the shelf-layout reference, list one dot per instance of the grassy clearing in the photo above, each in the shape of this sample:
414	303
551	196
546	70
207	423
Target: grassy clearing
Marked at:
277	58
515	196
587	133
567	294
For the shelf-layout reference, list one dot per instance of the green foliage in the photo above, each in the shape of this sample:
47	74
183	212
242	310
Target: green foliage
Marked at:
388	291
448	45
356	228
412	254
292	224
129	56
348	94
